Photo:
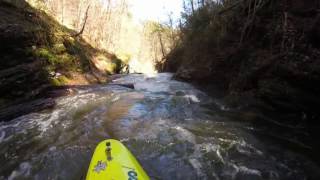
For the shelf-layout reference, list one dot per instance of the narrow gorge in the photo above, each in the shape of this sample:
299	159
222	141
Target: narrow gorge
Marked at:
208	89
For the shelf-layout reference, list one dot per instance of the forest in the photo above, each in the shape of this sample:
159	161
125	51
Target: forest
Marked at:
229	89
260	53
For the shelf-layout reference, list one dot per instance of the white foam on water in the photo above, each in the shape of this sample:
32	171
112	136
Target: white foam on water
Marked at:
196	164
21	125
115	99
192	98
64	106
247	170
248	149
227	140
183	134
220	156
44	125
16	123
2	136
53	148
208	147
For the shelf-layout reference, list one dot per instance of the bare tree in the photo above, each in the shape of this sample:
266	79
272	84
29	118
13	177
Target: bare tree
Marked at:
62	11
84	23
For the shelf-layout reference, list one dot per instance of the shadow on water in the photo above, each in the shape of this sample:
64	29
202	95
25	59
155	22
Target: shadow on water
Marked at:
174	130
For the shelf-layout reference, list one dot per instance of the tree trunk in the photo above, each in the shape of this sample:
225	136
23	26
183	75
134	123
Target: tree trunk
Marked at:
192	6
62	12
161	44
84	23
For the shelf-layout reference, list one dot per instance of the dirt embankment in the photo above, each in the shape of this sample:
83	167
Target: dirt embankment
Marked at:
266	53
38	54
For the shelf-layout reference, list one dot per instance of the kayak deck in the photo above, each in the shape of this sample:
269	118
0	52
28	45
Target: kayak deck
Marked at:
112	160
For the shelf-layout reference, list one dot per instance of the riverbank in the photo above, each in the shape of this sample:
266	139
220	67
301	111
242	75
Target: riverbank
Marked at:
266	59
39	54
169	126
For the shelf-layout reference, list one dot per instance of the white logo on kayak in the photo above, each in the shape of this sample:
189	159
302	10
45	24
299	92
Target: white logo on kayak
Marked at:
101	166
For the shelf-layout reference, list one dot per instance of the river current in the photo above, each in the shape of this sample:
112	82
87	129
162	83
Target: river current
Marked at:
175	131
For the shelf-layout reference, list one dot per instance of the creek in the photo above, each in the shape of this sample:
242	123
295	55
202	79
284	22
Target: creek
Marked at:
175	131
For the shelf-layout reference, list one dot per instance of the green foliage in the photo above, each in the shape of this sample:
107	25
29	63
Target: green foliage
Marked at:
41	52
60	81
64	61
82	52
59	48
46	54
111	64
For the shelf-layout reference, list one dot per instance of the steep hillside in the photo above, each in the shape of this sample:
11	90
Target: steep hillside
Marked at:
260	53
109	25
37	53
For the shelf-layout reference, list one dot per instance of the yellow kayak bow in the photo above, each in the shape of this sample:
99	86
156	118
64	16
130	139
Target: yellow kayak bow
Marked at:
113	161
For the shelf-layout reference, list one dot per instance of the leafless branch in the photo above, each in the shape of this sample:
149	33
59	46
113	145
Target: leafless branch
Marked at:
84	23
